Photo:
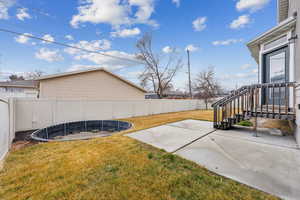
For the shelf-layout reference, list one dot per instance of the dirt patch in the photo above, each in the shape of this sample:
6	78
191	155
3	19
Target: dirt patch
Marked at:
22	140
84	135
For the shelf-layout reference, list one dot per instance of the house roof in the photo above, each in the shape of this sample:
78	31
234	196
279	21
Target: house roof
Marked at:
20	84
281	28
283	10
59	75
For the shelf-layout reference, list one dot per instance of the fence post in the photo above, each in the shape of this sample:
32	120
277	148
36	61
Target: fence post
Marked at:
133	109
11	120
54	108
5	128
83	112
112	110
149	107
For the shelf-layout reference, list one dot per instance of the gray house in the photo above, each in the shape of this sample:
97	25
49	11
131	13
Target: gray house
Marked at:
277	96
21	88
277	53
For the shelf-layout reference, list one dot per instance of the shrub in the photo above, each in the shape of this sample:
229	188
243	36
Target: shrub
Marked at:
245	123
150	155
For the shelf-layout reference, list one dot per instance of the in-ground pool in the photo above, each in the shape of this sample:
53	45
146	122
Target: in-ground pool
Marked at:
80	130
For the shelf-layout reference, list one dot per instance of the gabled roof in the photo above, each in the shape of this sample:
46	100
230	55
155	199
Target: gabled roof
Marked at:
278	30
59	75
20	84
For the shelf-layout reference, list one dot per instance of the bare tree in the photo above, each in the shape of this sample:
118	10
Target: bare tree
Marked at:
206	86
35	74
158	72
15	77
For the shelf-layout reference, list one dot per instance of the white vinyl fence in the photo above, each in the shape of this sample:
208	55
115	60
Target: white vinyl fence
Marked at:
38	113
6	126
298	115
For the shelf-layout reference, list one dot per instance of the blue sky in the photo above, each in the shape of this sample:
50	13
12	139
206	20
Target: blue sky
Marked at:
216	32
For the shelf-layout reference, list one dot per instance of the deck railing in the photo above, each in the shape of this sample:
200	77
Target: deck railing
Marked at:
269	100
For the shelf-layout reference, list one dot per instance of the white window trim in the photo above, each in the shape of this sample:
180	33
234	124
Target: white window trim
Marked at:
291	46
264	51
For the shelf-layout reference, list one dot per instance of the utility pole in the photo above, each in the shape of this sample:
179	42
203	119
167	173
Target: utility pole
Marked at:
189	71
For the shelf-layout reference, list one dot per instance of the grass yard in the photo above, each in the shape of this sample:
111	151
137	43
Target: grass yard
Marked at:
115	168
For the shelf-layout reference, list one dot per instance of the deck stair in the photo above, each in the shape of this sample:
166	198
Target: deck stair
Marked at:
269	100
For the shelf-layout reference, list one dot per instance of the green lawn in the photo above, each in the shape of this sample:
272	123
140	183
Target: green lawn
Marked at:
115	168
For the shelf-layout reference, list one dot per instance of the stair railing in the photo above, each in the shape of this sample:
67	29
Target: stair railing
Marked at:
268	100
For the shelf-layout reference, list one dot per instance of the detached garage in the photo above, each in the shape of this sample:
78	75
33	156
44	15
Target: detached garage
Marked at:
94	84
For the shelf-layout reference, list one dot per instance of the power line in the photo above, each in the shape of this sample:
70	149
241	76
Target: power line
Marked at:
60	43
70	46
22	28
18	5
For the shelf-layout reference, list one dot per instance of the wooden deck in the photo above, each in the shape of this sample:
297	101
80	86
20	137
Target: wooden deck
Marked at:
245	103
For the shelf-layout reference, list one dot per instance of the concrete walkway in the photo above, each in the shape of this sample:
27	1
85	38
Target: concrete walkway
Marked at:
268	163
173	136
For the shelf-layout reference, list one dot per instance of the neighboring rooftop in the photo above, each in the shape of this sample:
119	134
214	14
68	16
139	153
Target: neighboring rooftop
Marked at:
86	71
20	84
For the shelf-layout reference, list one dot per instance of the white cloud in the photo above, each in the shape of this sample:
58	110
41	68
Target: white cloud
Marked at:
4	7
192	48
48	55
81	67
114	12
22	38
126	33
23	14
252	5
69	37
246	75
240	22
101	46
176	2
199	23
226	42
236	80
98	32
245	66
236	76
243	75
94	45
48	37
133	75
110	63
168	49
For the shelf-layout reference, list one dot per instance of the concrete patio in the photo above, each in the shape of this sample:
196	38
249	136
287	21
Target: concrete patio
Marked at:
269	163
171	137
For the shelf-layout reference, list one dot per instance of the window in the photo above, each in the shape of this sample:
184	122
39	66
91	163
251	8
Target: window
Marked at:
277	67
276	70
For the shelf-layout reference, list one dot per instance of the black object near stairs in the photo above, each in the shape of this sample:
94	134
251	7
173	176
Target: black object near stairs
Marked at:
268	100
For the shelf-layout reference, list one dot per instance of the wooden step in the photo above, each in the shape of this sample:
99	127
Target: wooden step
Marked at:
288	116
245	103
